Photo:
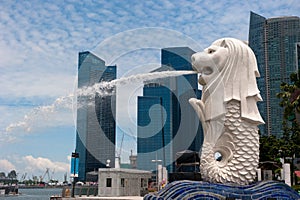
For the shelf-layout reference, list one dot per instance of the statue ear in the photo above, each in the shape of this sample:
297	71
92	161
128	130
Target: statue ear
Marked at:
223	44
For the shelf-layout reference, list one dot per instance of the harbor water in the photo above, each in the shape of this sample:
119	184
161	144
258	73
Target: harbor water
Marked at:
34	194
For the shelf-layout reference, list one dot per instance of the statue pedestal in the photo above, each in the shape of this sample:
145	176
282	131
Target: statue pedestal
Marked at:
204	190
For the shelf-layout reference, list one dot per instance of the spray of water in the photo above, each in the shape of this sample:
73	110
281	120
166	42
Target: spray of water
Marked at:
106	88
100	89
41	112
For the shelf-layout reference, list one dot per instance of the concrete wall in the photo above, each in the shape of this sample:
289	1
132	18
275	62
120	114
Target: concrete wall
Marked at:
122	183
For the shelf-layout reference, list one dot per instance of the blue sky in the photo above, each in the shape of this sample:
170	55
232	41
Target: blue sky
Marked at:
39	45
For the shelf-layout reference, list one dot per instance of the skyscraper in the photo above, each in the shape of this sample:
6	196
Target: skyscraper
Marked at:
298	54
167	124
273	41
95	133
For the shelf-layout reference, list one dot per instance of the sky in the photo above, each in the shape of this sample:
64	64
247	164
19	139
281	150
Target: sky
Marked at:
39	45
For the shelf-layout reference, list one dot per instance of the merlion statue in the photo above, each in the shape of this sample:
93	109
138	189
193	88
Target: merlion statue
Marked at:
228	112
229	116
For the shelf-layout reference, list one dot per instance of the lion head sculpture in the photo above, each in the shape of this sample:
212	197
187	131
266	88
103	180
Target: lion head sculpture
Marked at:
228	70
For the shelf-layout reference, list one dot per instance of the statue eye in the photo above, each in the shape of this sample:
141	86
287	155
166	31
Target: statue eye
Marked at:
210	51
218	156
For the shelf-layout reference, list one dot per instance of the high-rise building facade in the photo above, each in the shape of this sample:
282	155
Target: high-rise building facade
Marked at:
273	42
96	126
167	124
298	54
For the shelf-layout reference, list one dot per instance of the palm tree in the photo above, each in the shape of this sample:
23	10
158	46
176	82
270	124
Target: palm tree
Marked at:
290	101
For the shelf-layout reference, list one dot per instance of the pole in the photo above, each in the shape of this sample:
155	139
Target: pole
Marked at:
162	131
75	156
156	161
157	176
73	185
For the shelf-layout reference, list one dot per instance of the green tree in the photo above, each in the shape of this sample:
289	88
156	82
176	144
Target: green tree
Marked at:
12	174
2	175
290	101
269	148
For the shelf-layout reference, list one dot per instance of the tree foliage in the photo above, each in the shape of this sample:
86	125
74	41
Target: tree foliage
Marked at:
290	97
290	101
288	145
12	174
2	175
269	148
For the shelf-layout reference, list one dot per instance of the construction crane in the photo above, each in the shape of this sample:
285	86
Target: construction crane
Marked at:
23	177
43	177
121	145
119	151
52	174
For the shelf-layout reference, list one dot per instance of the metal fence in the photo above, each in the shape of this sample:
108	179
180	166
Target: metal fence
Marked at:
84	190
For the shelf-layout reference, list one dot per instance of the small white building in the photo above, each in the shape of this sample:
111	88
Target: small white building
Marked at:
122	182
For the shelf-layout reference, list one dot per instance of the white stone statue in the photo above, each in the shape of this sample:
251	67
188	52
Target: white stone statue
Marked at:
228	111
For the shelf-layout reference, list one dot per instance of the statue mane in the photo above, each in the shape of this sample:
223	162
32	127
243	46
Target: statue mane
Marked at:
236	80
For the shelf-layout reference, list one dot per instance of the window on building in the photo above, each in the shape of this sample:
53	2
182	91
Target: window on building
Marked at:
144	182
108	182
122	182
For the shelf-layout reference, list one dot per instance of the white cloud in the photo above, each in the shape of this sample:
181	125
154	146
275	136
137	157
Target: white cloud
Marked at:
59	113
39	164
40	41
34	166
141	39
6	166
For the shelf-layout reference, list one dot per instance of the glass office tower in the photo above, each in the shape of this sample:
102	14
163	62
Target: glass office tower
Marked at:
167	123
298	54
273	41
96	126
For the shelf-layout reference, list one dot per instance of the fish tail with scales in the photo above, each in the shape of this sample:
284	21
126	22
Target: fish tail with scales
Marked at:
239	147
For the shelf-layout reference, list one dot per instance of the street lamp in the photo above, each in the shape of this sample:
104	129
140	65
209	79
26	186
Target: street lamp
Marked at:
156	178
74	169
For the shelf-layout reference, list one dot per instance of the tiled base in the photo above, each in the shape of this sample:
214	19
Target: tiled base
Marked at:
202	190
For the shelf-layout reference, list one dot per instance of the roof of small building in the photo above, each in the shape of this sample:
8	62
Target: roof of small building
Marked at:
131	171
